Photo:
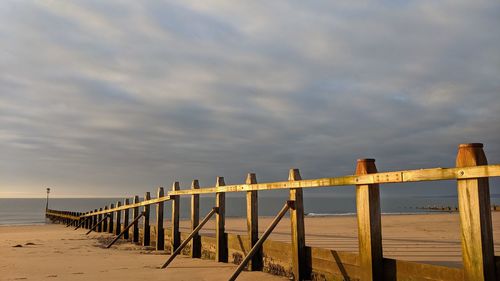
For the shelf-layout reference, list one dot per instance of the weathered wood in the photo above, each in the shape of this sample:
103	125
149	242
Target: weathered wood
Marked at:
176	235
369	224
140	204
118	227
111	219
135	228
105	222
98	223
160	231
99	218
195	218
126	229
298	230
253	224
220	232
126	214
146	241
475	217
432	174
258	245
191	235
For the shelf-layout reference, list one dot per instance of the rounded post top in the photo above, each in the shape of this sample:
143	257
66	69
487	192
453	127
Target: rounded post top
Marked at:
475	145
147	196
195	184
175	185
220	181
294	175
365	166
366	160
161	193
251	178
470	154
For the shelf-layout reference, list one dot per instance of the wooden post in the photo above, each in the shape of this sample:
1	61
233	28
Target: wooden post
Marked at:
94	218
160	231
253	224
126	213
298	230
99	218
195	220
105	222
475	217
220	233
135	214
175	235
86	224
111	218
146	228
369	225
118	227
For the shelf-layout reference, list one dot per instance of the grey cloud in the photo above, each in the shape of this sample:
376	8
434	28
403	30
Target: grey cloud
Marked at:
114	98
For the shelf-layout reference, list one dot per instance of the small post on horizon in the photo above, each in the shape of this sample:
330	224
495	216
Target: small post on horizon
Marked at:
47	203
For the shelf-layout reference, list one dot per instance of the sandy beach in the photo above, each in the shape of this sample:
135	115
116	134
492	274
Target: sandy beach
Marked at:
54	252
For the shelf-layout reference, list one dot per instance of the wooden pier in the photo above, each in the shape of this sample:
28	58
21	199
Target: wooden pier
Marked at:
295	259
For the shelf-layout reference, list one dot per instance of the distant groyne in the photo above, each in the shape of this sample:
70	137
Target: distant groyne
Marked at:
295	259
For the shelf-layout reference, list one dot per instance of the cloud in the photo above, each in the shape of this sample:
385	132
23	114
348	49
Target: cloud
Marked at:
114	98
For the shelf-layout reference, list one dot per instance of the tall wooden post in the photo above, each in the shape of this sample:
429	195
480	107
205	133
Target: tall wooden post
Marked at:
475	217
195	220
220	232
99	218
253	223
105	222
94	218
126	219
146	241
118	227
369	224
176	235
111	219
298	230
160	231
86	223
135	214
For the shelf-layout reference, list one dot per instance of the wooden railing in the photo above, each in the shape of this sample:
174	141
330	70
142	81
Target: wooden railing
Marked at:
471	172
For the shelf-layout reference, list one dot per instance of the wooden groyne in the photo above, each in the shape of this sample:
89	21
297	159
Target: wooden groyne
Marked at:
494	208
295	259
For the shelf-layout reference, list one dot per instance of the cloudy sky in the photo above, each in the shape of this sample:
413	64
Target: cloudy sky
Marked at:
108	98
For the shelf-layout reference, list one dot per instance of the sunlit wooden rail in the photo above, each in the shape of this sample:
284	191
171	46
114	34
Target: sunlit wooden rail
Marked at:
471	172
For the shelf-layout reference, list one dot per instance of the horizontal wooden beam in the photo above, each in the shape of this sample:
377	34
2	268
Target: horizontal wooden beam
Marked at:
130	206
432	174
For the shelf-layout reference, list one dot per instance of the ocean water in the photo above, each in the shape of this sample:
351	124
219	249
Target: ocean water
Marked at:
31	211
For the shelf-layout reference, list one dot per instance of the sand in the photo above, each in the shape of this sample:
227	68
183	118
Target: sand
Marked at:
59	253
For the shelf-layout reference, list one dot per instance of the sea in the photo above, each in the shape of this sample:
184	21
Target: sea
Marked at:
26	211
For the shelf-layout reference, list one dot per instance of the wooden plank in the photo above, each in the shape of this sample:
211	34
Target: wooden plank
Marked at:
253	224
126	220
432	174
146	241
298	230
111	219
369	224
99	218
475	217
160	231
135	228
176	235
220	221
140	204
118	227
105	222
195	220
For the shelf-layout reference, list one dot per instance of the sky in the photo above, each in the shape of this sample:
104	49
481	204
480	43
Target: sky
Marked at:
115	98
